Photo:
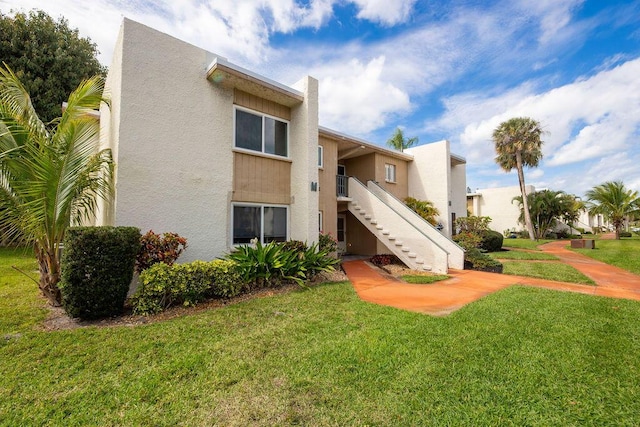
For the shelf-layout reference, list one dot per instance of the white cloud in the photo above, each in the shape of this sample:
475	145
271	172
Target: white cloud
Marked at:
387	12
589	118
356	99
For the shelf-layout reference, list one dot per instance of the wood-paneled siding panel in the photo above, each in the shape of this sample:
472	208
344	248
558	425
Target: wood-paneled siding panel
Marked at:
261	180
262	105
327	183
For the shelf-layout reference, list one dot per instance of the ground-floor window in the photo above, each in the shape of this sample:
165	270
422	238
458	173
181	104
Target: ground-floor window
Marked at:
267	223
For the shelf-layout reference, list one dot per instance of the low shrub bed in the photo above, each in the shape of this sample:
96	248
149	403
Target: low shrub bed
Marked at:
381	260
163	286
474	259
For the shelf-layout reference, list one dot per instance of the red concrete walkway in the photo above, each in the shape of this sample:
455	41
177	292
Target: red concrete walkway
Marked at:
466	286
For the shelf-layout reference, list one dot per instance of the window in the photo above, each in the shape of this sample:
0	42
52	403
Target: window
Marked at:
389	172
266	223
320	156
258	132
320	221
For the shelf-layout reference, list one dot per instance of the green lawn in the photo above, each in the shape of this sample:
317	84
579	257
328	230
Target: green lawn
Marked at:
546	270
624	253
522	255
524	243
522	356
424	279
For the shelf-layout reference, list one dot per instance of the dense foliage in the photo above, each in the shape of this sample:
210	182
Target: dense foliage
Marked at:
51	176
547	207
424	208
97	267
615	202
272	264
475	259
491	241
163	285
518	144
156	248
48	56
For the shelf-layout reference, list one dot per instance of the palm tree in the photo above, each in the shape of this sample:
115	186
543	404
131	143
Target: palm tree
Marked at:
614	201
518	144
424	208
546	208
399	142
50	174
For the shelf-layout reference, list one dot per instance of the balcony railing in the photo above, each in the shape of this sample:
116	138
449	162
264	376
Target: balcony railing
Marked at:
342	189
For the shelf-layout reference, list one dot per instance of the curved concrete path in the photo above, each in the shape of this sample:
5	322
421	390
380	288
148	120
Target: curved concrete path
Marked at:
466	286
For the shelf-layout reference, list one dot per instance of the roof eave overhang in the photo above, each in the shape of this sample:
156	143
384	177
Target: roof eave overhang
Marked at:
226	74
365	147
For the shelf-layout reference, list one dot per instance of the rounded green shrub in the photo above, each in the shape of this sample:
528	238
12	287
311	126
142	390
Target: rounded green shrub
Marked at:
491	240
97	267
625	234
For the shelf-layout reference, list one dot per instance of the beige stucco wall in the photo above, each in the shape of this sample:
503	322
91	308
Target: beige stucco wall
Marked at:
304	169
174	131
433	178
498	204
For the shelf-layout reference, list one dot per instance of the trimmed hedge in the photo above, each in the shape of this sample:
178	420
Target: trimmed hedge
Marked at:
163	286
491	241
625	234
97	267
474	259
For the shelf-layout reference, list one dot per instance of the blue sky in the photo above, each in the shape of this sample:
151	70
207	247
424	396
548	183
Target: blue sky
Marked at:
439	69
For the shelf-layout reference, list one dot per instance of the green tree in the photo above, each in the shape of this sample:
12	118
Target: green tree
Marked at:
399	142
518	144
547	207
614	201
50	58
50	177
424	208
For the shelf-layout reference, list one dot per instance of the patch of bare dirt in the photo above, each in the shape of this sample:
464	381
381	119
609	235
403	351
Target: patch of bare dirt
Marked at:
58	320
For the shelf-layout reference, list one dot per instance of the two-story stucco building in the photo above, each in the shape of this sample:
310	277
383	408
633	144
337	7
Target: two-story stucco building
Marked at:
222	155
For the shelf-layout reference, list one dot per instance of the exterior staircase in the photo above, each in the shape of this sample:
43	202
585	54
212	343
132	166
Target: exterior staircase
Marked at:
412	239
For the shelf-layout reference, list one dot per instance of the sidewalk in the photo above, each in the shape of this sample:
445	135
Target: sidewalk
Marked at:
466	286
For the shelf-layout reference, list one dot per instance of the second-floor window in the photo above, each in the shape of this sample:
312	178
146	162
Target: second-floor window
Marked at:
390	172
258	132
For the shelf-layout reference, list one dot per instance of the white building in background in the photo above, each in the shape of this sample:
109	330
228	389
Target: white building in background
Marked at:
498	204
222	155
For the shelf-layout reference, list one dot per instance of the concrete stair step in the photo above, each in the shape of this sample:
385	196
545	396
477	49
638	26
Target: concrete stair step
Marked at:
405	249
379	227
386	233
374	221
412	255
356	207
399	243
367	217
362	212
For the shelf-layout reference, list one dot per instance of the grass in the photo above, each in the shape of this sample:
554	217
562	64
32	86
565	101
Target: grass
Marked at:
522	356
622	253
424	279
546	270
524	243
521	255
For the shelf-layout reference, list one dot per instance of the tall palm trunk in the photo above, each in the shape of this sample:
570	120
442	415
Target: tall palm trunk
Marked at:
525	202
49	267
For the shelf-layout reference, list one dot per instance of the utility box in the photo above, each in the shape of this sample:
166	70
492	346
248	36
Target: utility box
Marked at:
583	243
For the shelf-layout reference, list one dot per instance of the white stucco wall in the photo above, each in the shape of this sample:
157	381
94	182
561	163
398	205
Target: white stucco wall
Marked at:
173	130
431	177
498	204
304	169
